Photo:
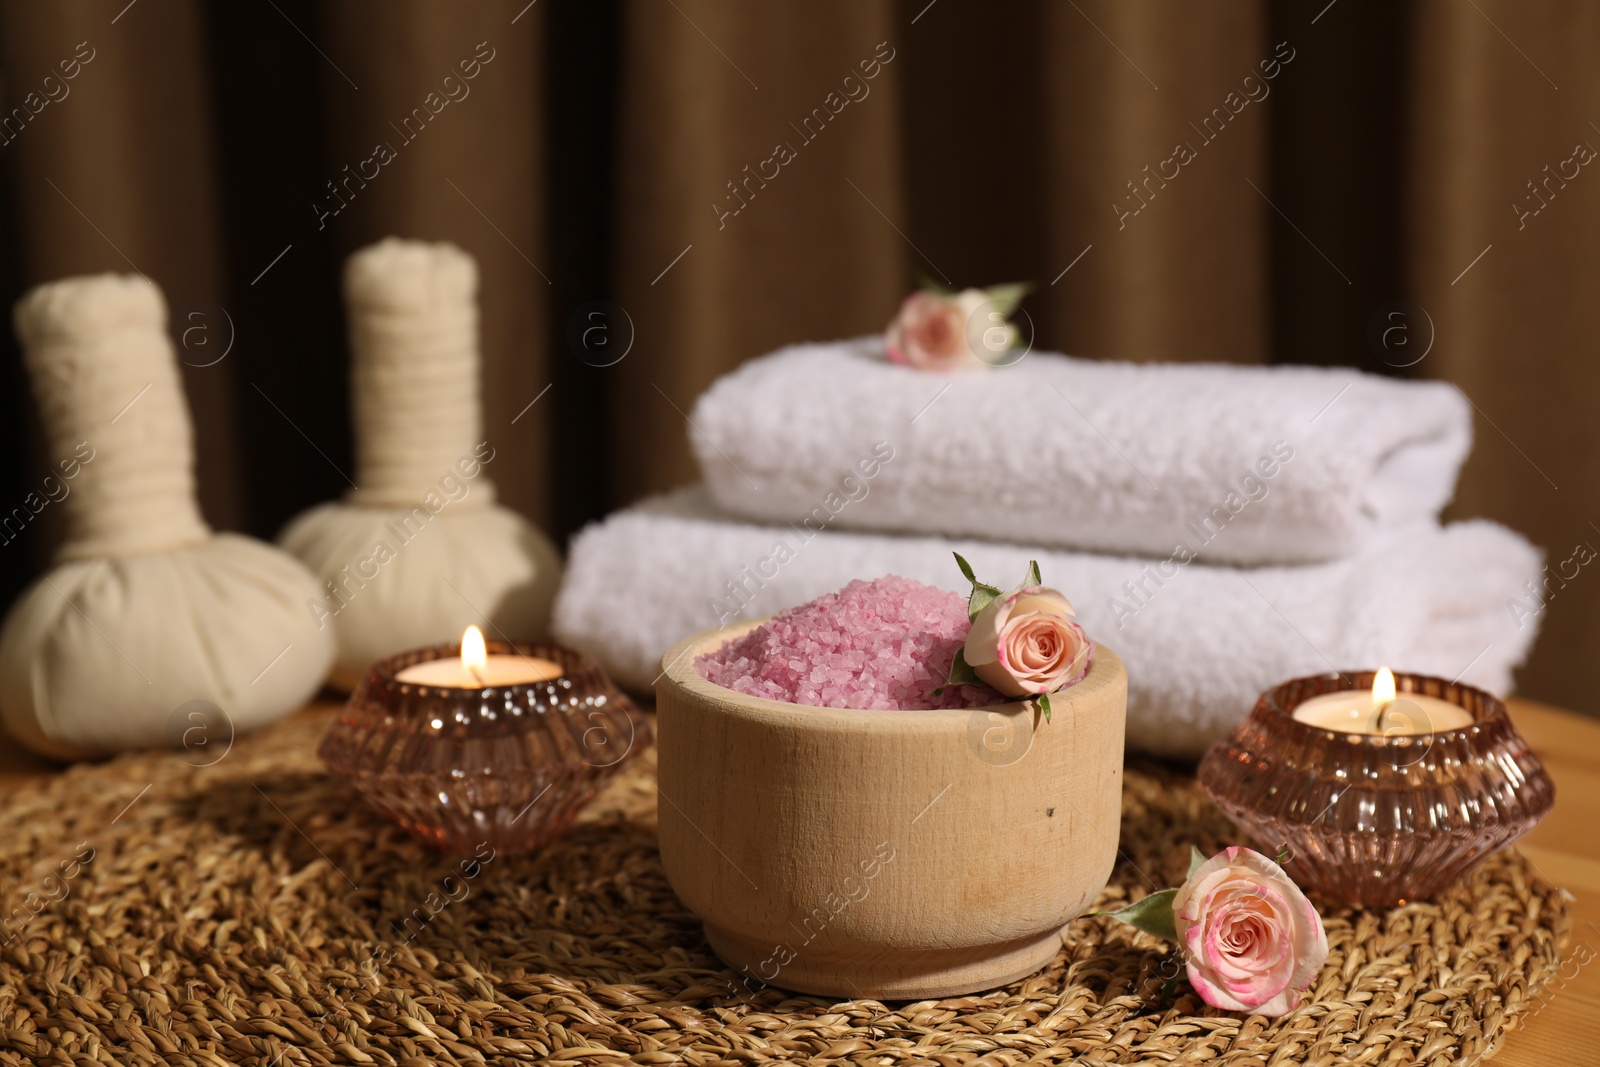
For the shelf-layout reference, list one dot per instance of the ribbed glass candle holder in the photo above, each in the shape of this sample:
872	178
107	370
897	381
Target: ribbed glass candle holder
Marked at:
1373	820
508	765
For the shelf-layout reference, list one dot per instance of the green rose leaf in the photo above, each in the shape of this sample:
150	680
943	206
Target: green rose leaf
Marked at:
1153	915
1196	858
961	672
1006	298
966	568
982	594
1044	705
1032	578
925	282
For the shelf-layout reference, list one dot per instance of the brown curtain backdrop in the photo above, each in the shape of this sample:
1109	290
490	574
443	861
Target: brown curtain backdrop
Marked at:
1183	274
470	173
709	93
117	172
1493	105
1236	181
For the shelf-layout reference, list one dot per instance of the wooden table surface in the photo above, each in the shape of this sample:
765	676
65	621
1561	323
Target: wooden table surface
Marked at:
1565	849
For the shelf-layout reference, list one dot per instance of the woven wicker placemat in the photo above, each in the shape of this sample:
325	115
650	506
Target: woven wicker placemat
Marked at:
226	913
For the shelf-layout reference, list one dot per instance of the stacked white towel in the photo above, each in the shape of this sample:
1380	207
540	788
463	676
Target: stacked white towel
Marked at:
1223	528
1240	464
1199	643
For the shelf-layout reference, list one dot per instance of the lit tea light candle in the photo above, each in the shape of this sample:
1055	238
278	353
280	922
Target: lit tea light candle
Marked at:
1382	712
476	669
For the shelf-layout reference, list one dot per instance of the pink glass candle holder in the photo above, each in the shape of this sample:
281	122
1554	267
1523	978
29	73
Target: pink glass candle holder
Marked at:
511	765
1375	819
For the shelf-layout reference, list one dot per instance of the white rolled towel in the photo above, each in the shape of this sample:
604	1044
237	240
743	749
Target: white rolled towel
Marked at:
1200	642
1238	464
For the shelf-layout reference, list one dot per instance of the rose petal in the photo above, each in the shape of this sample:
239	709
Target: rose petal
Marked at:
983	640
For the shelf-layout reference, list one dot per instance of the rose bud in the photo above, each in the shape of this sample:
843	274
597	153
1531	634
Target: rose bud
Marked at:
1250	938
1026	644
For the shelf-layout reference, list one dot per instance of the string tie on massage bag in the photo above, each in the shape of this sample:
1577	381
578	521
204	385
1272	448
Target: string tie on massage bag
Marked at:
419	550
146	609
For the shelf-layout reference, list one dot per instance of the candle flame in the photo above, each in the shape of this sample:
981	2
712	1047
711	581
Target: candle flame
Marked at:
474	656
1383	688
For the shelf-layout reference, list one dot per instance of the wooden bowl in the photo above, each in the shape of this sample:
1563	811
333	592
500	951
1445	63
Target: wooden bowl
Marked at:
897	855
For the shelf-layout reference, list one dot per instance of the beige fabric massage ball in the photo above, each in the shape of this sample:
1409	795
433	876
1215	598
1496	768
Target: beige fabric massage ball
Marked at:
146	609
419	550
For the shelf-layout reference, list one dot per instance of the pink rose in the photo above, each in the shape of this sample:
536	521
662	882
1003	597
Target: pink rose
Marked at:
930	332
1251	939
1025	643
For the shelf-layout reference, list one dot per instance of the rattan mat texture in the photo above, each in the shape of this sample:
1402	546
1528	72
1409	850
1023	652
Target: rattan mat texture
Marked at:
228	916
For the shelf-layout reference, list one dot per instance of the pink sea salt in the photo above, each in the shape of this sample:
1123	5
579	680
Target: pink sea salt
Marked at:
885	644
